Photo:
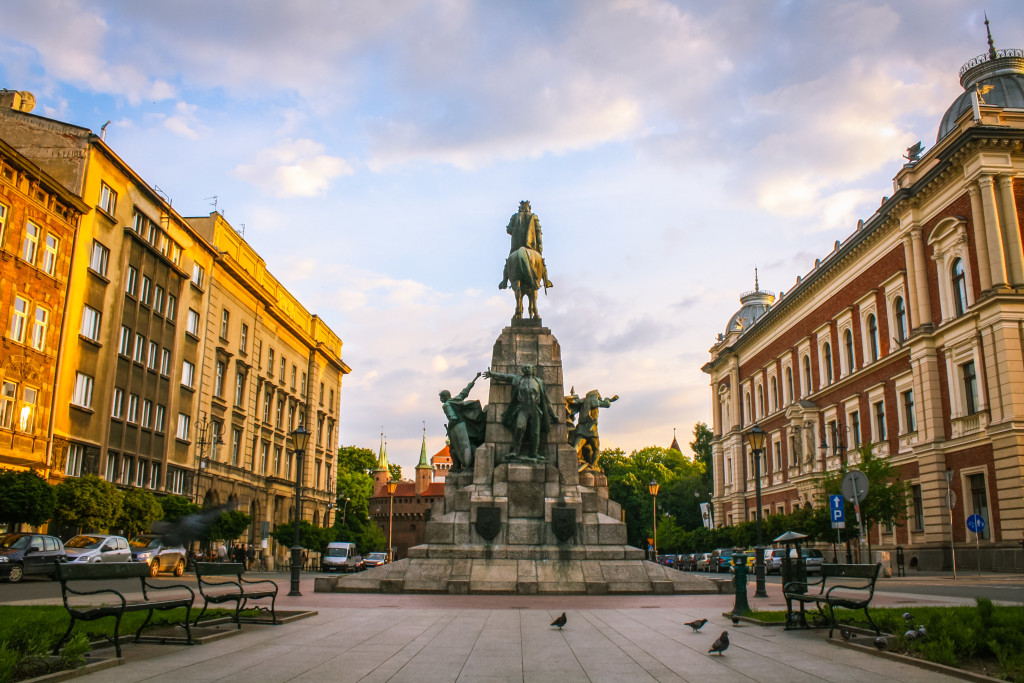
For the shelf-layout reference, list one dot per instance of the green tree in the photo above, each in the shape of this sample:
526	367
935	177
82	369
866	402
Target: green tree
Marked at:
25	498
139	509
701	446
227	526
311	537
87	503
355	482
395	470
176	507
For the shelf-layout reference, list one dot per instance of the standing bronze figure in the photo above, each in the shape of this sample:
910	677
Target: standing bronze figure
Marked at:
525	268
529	415
583	437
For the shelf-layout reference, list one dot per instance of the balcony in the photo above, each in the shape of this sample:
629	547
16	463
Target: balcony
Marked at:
969	424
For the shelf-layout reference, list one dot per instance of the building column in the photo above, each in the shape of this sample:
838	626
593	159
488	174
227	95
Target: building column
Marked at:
1011	231
921	277
997	259
980	243
912	302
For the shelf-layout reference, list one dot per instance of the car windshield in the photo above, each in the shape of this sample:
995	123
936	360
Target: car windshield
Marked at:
140	542
14	541
376	556
337	552
85	542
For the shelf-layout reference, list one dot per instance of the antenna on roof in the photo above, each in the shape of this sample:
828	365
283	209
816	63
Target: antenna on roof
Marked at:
991	44
214	203
241	229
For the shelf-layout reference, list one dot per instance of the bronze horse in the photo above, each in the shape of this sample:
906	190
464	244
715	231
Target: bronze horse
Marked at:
525	269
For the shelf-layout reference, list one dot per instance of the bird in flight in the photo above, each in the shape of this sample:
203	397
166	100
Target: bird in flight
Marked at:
696	625
721	644
560	621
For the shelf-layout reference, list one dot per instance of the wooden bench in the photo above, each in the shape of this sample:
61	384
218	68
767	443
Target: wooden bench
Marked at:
221	582
840	585
68	572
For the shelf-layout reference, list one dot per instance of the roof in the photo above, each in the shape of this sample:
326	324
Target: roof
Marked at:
407	489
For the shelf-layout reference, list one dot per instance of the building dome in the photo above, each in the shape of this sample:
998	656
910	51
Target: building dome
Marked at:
754	305
998	78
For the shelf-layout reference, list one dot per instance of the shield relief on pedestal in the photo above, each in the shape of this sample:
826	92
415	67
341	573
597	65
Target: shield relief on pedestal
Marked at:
563	522
488	522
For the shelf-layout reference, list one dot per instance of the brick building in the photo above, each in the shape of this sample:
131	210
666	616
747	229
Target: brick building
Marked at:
411	505
907	336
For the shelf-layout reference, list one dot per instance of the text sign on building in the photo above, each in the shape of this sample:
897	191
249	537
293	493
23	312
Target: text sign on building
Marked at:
837	512
976	523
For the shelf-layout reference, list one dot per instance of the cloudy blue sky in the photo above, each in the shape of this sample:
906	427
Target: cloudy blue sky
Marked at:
374	152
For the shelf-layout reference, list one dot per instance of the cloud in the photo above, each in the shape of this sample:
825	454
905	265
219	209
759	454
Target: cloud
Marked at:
294	168
183	122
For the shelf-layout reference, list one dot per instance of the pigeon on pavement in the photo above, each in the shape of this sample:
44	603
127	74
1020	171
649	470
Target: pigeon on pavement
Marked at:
560	621
721	644
735	620
696	625
881	642
908	616
845	633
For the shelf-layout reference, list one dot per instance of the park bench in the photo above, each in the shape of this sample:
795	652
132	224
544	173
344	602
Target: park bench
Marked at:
221	582
840	585
73	573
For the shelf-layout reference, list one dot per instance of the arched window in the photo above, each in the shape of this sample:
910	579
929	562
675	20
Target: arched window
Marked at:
749	415
959	287
873	336
807	375
826	352
848	343
789	384
775	395
900	312
760	401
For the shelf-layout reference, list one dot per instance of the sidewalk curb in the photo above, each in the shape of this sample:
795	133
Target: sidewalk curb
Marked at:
919	663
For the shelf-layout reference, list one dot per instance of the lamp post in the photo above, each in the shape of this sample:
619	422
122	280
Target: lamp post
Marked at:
204	438
951	503
755	439
653	488
392	485
300	437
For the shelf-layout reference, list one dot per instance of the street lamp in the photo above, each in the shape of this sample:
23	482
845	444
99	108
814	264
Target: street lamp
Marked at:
204	438
344	512
755	439
653	488
299	438
392	485
950	504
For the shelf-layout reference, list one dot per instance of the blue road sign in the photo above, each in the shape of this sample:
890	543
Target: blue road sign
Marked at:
976	523
837	512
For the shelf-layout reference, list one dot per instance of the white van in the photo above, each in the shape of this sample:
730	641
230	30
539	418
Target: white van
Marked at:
341	557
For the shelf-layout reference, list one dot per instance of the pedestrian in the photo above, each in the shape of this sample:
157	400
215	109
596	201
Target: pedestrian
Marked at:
250	556
305	557
222	552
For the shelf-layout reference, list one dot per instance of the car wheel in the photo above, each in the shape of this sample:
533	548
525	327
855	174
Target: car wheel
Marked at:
179	569
154	567
17	572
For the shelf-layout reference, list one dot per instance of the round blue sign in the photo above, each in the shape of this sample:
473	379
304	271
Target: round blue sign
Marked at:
976	523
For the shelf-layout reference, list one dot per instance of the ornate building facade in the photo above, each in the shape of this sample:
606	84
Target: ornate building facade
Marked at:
908	336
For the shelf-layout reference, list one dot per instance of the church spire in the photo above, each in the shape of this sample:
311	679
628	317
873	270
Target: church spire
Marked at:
382	454
424	461
757	288
991	44
675	442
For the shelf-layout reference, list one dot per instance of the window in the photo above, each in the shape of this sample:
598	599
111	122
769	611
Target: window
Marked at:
218	380
91	319
73	462
140	473
239	388
152	233
176	481
39	328
243	338
117	406
291	416
98	259
267	399
789	384
30	244
131	281
50	248
139	222
851	364
147	413
175	254
154	355
126	470
264	456
108	199
172	307
321	393
760	401
236	445
294	370
280	413
774	395
225	319
111	466
900	311
909	420
970	387
283	366
165	362
19	320
27	414
198	274
3	222
330	434
331	406
918	503
855	428
319	430
82	395
827	354
124	347
147	285
873	336
270	362
154	476
133	408
158	299
140	348
807	376
959	287
277	461
302	385
880	421
7	396
158	418
192	323
188	372
979	498
184	424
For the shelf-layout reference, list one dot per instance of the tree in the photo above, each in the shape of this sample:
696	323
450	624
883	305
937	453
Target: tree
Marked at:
25	498
311	537
176	507
228	526
395	470
87	503
356	483
139	509
701	446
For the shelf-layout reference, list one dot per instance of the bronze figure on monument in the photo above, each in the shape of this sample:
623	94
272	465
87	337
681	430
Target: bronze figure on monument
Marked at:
528	415
467	421
525	269
583	437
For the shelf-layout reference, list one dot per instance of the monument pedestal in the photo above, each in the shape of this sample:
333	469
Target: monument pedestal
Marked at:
523	526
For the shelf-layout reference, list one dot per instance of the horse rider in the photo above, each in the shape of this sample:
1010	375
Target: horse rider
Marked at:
524	227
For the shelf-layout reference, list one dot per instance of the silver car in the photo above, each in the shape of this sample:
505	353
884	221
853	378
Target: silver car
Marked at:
152	550
98	548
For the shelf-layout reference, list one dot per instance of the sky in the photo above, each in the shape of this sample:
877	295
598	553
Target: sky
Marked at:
373	152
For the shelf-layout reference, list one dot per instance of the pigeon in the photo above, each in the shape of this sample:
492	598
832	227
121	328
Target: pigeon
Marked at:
720	645
696	625
911	635
881	642
921	632
560	621
845	633
735	620
908	616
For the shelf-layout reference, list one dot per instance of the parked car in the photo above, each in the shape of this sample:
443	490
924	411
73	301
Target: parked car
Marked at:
721	560
703	563
342	557
773	560
375	560
158	555
684	563
98	548
814	559
23	554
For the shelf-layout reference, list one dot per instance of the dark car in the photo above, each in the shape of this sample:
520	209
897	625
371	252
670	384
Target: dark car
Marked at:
721	560
158	555
24	554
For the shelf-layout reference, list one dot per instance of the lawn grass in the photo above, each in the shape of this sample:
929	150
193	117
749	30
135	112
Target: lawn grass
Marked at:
984	637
